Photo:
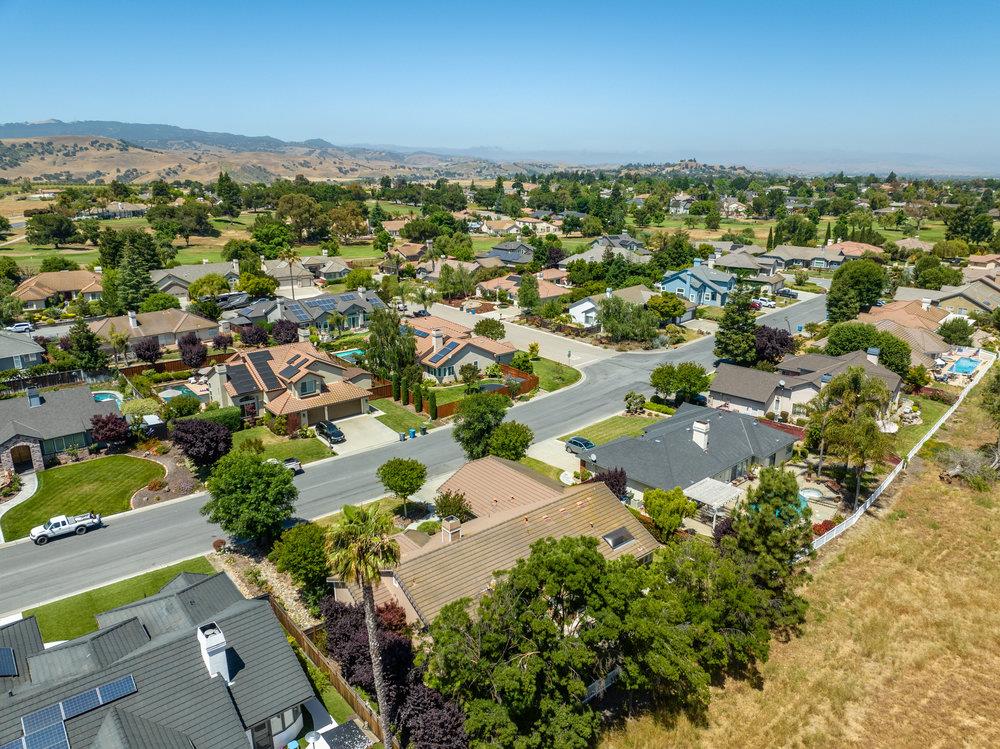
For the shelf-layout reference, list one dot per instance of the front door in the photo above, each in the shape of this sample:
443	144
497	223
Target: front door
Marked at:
260	736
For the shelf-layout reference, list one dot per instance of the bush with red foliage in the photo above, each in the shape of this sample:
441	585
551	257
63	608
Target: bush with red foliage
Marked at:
253	335
722	529
110	428
824	527
193	351
222	341
285	331
614	478
148	349
204	442
392	617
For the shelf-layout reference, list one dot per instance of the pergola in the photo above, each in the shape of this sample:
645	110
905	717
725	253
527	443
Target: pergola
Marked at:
713	495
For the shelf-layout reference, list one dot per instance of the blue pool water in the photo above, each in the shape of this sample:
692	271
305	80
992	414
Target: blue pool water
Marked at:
350	355
108	396
965	365
182	390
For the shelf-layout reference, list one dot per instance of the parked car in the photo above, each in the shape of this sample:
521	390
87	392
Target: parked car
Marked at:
64	525
21	327
578	444
788	293
330	431
292	464
763	301
421	313
754	304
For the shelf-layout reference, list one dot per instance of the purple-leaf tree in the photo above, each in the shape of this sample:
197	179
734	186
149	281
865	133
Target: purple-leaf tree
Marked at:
110	428
285	331
204	442
193	351
772	343
222	341
614	478
147	349
253	335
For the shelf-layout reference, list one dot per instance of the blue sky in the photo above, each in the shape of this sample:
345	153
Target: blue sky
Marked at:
716	81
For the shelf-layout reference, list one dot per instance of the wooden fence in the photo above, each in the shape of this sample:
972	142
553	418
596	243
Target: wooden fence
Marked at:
170	365
528	383
331	669
380	389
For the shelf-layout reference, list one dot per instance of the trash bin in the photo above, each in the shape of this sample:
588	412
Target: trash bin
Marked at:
423	429
402	436
413	433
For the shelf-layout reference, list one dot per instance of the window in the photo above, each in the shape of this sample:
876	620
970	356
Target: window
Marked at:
284	721
680	293
308	387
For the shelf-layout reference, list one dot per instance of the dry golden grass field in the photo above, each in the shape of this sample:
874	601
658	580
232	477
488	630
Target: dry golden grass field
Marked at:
902	643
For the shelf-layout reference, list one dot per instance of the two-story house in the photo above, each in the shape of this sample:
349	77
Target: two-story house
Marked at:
700	284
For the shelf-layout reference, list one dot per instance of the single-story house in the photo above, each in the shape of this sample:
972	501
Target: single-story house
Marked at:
295	380
326	267
297	275
546	289
39	425
444	346
493	485
830	256
499	228
584	311
700	284
926	346
596	255
430	270
460	561
558	276
408	252
694	444
795	381
56	287
166	325
117	209
349	310
988	262
394	226
512	253
624	241
912	244
176	280
915	314
19	351
539	226
193	665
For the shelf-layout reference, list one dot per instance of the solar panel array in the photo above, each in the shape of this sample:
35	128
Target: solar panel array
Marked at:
298	311
8	666
241	379
448	348
45	728
288	371
260	361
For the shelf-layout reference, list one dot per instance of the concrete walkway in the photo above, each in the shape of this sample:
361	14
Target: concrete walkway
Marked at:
29	485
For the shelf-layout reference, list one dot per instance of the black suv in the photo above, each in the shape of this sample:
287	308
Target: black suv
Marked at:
330	430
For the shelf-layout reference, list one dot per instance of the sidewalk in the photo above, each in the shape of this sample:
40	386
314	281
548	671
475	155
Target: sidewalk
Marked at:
29	485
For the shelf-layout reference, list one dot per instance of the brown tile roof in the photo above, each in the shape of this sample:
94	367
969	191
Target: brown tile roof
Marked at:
410	250
303	353
910	314
445	572
495	485
854	249
154	323
983	261
335	392
48	284
394	224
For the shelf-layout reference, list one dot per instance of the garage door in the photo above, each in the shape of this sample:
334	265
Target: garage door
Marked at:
334	412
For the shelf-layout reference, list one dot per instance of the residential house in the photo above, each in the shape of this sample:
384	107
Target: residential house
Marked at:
694	444
795	381
165	325
539	226
325	267
596	255
912	244
926	346
558	276
176	280
987	262
443	347
499	228
394	226
619	242
792	256
295	380
700	284
408	252
296	274
851	250
19	351
350	310
193	666
917	314
585	311
680	204
37	426
430	270
759	272
512	253
55	287
460	561
981	295
732	208
117	209
546	289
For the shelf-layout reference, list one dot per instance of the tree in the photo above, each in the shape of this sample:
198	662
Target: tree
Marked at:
772	344
862	441
148	349
929	273
425	297
359	278
845	337
403	477
476	418
132	281
469	374
257	286
685	380
270	235
85	346
841	304
894	354
624	321
49	228
10	306
450	503
9	270
290	256
866	278
301	552
193	350
250	498
390	350
668	510
253	335
490	328
736	339
957	332
285	331
772	529
229	194
159	301
528	298
180	406
211	284
822	415
5	227
222	341
511	440
305	216
668	307
55	263
522	361
360	548
203	441
917	377
990	403
110	428
347	221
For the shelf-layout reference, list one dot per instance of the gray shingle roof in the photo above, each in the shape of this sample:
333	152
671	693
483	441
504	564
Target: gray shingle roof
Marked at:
666	456
123	730
21	636
17	344
191	273
62	413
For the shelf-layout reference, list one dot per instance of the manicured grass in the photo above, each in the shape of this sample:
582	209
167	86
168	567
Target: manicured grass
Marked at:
454	393
541	467
613	428
306	450
396	417
394	209
552	375
710	313
74	616
808	286
908	436
103	485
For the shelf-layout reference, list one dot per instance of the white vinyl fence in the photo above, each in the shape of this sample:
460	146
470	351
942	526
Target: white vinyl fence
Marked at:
853	517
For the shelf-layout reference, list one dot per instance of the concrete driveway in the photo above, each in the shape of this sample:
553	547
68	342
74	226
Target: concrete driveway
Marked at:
551	345
553	452
363	433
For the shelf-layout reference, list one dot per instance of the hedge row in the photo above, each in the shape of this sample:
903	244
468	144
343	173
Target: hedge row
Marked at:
230	417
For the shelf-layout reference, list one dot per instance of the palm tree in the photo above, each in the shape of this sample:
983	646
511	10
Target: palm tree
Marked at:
857	394
863	441
422	296
822	414
291	256
360	548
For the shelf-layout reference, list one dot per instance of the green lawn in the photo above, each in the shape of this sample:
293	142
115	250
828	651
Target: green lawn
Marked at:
395	416
552	375
103	485
454	393
306	450
541	467
710	313
74	616
908	436
613	428
394	209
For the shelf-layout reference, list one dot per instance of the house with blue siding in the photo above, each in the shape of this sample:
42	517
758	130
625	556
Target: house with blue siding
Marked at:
700	284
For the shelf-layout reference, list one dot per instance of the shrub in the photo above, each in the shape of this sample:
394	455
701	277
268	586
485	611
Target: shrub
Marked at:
522	361
253	335
222	341
179	406
230	417
204	442
285	331
430	527
109	428
278	425
453	503
614	478
301	552
490	328
156	485
141	407
147	349
660	408
418	397
254	445
824	527
432	405
193	351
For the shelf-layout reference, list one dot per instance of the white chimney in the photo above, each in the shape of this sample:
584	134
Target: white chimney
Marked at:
236	265
220	369
437	339
214	651
451	529
699	433
133	321
925	303
326	253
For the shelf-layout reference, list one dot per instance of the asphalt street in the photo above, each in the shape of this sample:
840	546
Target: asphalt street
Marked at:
140	540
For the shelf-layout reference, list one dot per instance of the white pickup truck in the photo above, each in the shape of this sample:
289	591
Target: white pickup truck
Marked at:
63	525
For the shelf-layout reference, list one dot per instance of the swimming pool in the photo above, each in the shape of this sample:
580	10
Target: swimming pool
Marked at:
965	365
350	355
108	395
808	493
174	390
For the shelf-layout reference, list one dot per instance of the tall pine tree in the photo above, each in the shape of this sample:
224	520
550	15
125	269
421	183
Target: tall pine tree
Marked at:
133	283
770	238
736	340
